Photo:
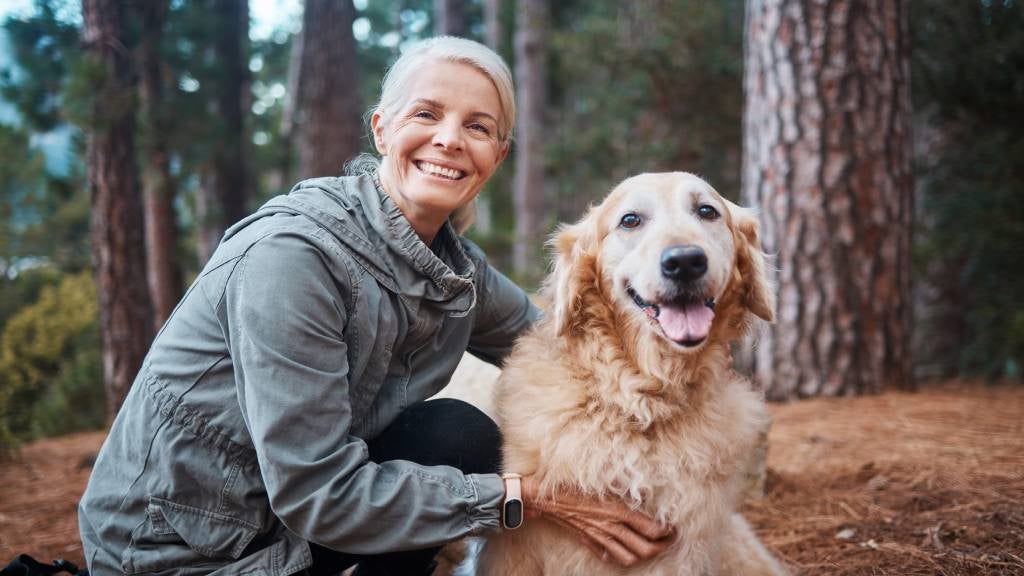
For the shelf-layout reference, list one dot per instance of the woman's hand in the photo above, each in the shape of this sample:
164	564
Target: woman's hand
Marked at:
610	529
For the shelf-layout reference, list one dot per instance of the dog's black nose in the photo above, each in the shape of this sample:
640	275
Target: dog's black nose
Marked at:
683	263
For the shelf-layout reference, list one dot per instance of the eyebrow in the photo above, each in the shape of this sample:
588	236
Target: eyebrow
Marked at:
439	106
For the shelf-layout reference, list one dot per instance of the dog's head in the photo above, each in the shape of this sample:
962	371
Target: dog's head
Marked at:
665	253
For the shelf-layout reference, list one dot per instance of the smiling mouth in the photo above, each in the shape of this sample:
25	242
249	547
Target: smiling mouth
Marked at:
439	171
685	320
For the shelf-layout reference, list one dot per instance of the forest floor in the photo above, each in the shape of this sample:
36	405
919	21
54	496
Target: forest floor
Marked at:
924	483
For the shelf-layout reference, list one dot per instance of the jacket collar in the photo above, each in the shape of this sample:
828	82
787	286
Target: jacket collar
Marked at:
358	212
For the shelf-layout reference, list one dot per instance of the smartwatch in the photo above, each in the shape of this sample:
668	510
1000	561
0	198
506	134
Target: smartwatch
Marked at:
512	509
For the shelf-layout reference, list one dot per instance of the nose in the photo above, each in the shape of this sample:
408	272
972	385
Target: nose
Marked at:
683	263
448	136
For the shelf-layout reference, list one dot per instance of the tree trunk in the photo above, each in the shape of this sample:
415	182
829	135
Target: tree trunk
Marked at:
125	320
280	177
225	183
159	190
827	161
492	24
449	18
531	80
329	126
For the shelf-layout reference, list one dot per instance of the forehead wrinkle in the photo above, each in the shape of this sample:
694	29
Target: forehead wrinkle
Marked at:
428	102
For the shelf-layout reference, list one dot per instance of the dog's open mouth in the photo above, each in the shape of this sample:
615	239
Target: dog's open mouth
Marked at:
686	321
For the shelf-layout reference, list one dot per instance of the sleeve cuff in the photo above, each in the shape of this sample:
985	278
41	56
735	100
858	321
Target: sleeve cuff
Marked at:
485	515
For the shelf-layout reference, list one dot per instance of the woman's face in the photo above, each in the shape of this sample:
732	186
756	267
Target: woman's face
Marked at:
441	147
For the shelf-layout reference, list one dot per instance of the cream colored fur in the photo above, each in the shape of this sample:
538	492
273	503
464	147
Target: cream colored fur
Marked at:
598	399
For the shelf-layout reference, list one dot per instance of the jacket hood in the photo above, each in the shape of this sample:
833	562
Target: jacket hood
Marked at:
357	211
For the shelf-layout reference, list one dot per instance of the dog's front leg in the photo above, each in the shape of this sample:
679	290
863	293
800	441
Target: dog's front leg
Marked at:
744	555
511	554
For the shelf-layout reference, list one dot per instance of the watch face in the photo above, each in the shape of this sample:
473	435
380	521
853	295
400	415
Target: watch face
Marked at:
513	513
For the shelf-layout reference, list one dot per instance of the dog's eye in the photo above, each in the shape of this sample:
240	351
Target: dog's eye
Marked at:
707	212
630	220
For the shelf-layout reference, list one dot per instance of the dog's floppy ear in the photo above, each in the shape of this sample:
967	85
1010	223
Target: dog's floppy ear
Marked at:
757	292
571	247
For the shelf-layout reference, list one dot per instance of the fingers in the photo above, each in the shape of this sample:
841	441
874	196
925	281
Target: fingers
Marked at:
601	544
625	545
612	530
583	536
615	550
609	536
636	542
639	522
629	523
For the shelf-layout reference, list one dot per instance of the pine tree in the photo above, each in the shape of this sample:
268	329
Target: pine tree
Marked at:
827	159
117	217
329	126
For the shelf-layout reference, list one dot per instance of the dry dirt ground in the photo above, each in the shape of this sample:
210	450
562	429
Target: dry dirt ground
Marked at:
923	483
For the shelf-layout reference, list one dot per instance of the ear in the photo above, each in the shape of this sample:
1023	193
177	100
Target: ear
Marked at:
757	292
377	127
573	270
503	152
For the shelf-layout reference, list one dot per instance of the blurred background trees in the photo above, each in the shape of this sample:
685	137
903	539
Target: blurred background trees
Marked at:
329	103
220	121
969	100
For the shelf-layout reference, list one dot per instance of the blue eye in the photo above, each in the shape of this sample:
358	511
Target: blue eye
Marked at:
424	114
630	220
479	128
707	212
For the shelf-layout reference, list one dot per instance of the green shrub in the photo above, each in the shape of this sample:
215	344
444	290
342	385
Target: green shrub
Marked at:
50	366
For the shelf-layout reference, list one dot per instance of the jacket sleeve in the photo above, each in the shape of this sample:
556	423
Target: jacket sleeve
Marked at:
285	314
506	312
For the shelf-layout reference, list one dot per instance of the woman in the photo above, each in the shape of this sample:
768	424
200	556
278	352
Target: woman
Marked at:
278	424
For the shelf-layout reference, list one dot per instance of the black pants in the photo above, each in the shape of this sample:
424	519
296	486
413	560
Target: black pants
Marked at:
436	432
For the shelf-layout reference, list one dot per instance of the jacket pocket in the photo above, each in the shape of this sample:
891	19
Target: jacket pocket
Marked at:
176	535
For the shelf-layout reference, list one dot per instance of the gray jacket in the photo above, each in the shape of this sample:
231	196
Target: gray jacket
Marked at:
318	319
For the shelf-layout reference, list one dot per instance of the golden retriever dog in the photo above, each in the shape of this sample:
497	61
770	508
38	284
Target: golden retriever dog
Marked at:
624	389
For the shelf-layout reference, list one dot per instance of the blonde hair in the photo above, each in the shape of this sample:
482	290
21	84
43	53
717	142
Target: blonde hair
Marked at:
395	94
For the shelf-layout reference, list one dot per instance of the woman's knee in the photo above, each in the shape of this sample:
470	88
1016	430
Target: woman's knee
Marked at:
444	431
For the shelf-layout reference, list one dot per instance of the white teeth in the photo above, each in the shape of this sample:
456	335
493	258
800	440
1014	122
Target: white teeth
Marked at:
440	170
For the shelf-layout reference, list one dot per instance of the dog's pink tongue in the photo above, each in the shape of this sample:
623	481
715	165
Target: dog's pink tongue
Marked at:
686	323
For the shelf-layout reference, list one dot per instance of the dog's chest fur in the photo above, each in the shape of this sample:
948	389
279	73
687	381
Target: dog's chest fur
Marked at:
558	428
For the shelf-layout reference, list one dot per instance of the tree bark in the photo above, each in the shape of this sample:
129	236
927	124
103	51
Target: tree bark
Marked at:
528	186
125	321
329	126
492	24
158	186
281	172
449	18
224	183
827	160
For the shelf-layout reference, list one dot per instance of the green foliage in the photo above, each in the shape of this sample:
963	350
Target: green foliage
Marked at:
43	215
50	377
76	400
969	94
43	224
41	48
20	174
644	86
